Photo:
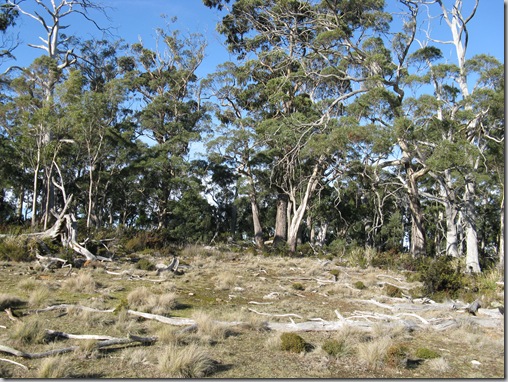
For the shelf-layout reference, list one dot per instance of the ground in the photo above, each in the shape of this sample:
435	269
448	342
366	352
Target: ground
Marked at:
235	298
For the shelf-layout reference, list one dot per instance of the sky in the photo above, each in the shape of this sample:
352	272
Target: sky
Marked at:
137	19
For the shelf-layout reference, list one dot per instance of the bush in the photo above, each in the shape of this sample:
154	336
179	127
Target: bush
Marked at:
427	353
145	265
392	291
292	342
395	354
15	249
297	286
441	276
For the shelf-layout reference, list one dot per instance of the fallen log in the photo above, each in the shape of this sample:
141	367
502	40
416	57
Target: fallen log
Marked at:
14	363
98	345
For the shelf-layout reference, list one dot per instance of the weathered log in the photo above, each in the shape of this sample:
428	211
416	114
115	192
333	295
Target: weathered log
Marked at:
98	345
14	363
473	307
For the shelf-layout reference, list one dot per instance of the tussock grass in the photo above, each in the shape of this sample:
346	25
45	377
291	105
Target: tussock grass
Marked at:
225	280
9	301
373	353
438	364
208	328
139	356
83	283
28	332
39	295
28	284
145	300
54	368
190	361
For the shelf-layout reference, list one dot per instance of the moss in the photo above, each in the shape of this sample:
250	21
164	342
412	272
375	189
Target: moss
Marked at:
292	342
359	285
427	353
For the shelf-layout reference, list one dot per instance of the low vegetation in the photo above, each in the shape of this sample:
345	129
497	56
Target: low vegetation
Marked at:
234	301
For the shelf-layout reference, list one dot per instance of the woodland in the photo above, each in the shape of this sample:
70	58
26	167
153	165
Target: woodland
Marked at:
340	140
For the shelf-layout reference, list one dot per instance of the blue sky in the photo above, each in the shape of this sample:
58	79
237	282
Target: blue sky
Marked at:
134	19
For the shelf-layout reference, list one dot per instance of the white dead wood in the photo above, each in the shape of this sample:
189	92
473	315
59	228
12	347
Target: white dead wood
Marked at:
56	334
14	363
259	303
97	345
8	311
275	315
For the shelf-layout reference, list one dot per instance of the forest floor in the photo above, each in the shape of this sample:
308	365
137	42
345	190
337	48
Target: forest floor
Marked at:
241	303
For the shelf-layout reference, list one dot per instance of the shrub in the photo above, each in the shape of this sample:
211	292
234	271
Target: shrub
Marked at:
392	291
395	354
427	353
15	249
297	286
292	342
145	265
335	273
441	275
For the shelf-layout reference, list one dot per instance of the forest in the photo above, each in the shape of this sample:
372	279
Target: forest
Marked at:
339	125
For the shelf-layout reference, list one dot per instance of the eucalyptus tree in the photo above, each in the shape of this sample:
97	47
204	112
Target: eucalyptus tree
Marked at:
304	69
166	82
57	46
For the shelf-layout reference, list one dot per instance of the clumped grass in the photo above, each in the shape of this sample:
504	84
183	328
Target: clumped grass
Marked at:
143	299
392	291
27	332
438	364
225	280
190	361
28	284
208	328
39	295
83	283
373	353
336	348
9	301
54	368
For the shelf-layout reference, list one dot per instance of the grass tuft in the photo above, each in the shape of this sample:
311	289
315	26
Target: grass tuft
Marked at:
54	368
83	283
30	331
190	361
373	353
9	301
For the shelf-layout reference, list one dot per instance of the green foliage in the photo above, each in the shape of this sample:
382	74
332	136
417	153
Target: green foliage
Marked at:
15	249
297	286
359	285
426	353
441	275
145	265
292	342
335	347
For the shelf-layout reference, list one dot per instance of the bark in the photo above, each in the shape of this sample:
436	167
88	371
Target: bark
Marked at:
472	262
418	235
501	236
258	230
281	220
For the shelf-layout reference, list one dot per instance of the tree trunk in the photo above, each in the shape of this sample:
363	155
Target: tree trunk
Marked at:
472	262
258	230
281	220
501	235
418	236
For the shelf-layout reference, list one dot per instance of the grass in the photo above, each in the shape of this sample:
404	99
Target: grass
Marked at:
82	283
190	361
9	301
54	368
246	350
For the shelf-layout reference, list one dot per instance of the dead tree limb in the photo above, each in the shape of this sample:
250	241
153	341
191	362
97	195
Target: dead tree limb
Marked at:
14	363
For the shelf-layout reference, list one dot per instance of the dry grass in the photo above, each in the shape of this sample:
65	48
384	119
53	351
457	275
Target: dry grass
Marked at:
225	280
9	301
54	368
190	361
39	295
438	364
373	353
145	300
30	331
209	329
83	283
